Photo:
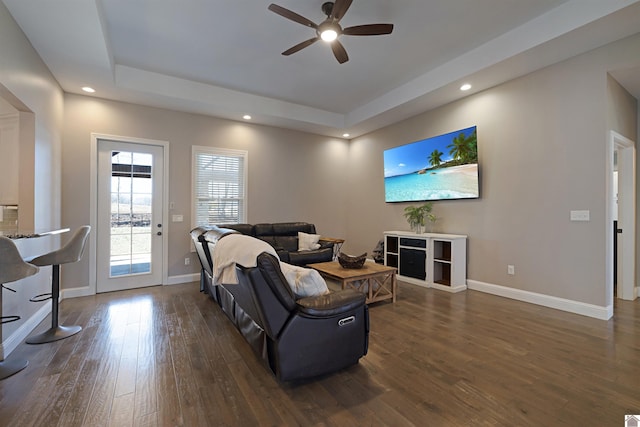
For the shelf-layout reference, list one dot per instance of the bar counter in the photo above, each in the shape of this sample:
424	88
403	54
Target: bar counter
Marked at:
31	234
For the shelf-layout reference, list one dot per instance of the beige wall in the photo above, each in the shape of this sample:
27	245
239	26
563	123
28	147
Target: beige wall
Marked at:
293	176
541	142
27	84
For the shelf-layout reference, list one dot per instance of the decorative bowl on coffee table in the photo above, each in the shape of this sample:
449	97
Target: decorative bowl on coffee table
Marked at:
349	261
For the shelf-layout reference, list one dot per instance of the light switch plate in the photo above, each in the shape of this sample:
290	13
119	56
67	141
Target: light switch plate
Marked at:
580	215
177	218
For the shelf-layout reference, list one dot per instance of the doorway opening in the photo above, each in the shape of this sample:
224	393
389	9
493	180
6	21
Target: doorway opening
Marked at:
621	202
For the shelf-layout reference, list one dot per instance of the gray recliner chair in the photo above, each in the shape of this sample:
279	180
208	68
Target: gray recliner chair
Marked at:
12	268
71	252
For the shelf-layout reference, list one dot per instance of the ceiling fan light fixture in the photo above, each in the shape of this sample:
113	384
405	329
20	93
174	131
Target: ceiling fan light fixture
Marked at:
328	31
329	35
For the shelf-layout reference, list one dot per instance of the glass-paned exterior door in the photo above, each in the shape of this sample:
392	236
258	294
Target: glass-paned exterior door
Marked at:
130	235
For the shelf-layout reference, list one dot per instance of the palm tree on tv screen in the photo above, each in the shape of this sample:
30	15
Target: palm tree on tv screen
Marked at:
464	149
435	158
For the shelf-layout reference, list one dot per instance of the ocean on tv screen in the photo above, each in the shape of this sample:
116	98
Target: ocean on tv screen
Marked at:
456	182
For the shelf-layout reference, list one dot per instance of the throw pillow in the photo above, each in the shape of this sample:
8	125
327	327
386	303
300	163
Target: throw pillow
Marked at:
304	282
308	242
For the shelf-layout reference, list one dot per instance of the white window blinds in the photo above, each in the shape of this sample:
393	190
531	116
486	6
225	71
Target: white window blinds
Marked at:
219	186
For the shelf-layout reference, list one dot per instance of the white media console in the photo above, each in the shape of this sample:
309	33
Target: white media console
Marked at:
431	260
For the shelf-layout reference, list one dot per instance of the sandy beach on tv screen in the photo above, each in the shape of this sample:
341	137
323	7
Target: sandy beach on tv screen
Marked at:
470	170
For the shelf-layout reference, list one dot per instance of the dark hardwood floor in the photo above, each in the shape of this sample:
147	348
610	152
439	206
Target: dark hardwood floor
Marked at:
168	356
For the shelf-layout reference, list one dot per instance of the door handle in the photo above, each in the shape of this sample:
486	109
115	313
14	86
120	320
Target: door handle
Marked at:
159	233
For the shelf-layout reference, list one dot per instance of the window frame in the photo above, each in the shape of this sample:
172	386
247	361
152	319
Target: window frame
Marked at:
196	151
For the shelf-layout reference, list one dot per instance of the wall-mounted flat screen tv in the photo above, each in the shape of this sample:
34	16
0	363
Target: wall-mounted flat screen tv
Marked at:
444	167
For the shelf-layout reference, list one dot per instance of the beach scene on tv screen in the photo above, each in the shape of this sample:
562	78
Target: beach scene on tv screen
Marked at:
438	168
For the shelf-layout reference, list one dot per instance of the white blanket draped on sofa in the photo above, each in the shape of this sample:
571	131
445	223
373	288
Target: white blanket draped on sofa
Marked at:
244	250
236	249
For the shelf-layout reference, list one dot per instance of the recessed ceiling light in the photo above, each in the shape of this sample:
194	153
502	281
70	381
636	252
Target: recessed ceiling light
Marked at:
246	117
88	89
465	86
346	135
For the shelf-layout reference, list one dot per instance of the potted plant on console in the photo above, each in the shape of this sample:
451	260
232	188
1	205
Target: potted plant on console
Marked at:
416	216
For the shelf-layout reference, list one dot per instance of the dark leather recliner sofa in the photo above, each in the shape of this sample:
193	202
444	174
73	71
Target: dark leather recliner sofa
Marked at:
283	236
296	339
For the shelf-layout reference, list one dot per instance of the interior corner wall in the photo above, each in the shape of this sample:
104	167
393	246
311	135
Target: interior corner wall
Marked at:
27	78
26	82
541	149
292	176
622	110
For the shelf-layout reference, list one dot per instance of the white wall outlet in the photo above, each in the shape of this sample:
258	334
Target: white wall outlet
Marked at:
177	218
511	270
187	261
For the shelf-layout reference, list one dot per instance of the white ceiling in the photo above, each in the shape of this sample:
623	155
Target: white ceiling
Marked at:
222	57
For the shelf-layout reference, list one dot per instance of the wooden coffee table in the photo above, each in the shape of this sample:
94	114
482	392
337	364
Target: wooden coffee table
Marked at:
377	281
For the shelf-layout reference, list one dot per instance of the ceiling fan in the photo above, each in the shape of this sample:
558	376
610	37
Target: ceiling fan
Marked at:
329	29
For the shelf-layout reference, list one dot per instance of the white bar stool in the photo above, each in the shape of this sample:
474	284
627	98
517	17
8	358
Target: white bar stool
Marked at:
12	268
71	252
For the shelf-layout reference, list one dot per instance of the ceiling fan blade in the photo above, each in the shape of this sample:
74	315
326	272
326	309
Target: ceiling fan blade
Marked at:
368	30
286	13
339	52
340	7
300	46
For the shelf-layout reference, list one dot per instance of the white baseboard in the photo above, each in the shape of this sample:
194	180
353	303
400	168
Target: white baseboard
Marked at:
20	334
577	307
76	292
87	291
183	278
425	284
